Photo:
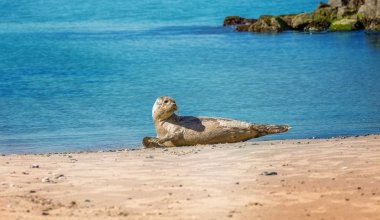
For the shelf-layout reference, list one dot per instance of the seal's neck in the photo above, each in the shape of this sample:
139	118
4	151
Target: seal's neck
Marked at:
162	116
172	118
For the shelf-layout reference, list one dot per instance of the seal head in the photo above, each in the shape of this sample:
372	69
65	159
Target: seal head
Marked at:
163	108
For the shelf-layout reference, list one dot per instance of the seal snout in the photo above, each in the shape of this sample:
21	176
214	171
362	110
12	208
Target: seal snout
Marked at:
174	106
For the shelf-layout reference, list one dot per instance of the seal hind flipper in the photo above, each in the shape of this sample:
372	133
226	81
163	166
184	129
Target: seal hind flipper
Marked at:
269	129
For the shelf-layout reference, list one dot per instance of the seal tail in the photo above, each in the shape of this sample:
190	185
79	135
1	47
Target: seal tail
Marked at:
263	130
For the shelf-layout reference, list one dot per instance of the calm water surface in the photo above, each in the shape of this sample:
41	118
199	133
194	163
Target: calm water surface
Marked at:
84	75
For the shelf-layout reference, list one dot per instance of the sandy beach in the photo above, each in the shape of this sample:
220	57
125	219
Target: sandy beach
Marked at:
335	178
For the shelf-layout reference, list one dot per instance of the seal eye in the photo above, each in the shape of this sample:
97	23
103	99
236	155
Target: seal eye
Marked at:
166	101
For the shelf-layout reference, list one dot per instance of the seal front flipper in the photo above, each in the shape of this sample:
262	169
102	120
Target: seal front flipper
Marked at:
169	137
150	142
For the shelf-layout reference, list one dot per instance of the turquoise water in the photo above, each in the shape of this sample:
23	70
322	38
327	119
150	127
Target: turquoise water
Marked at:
84	75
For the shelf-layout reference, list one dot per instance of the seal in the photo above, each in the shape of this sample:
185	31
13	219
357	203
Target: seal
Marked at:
174	130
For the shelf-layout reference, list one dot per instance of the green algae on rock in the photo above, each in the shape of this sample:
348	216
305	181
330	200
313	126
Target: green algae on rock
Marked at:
345	24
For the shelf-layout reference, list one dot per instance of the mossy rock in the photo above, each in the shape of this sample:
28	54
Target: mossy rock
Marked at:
318	20
326	14
268	23
345	24
360	16
301	20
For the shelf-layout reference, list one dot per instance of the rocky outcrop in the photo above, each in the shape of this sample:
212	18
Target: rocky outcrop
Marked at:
336	15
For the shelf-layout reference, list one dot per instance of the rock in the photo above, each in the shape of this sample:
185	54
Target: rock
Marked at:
34	166
236	20
323	5
374	25
336	3
345	11
354	4
232	20
326	14
58	176
345	24
242	28
267	23
335	15
318	20
300	21
45	179
316	26
370	9
288	19
269	173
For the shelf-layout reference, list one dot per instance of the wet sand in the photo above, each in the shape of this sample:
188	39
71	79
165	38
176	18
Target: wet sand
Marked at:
305	179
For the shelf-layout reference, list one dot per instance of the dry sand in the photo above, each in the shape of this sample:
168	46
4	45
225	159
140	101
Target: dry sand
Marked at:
316	179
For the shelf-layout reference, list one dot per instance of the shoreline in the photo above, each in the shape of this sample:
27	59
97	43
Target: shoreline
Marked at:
334	178
140	147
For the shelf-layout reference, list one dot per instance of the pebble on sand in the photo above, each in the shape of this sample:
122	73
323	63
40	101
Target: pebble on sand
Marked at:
58	175
269	173
34	166
45	179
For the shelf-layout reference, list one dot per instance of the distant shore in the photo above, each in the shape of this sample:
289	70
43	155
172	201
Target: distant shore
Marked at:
335	178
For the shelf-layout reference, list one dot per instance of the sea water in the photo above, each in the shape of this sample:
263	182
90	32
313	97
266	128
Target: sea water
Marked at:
83	75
